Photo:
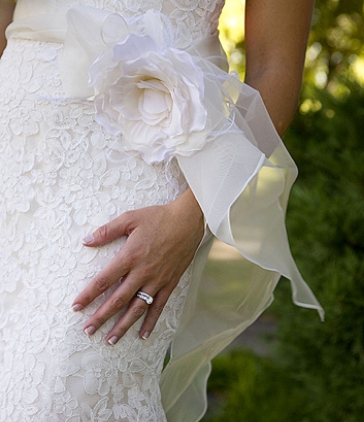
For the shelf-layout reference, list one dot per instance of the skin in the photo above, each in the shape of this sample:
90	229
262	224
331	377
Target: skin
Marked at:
162	240
276	34
6	16
154	233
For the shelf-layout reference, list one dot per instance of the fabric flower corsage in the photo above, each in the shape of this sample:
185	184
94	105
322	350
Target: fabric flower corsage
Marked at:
162	100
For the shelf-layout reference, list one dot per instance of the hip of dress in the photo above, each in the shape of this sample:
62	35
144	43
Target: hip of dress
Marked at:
61	174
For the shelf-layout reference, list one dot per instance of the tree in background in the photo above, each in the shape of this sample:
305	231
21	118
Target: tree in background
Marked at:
335	47
336	44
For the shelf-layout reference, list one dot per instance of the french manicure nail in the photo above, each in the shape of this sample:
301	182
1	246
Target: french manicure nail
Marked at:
90	330
145	335
113	340
77	307
88	239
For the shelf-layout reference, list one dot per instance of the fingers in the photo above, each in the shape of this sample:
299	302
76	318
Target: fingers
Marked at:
120	226
136	310
118	301
118	267
154	312
124	298
155	255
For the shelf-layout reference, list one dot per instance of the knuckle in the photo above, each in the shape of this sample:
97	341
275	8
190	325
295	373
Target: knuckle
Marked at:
103	232
129	258
128	214
100	321
147	271
137	311
118	303
157	310
101	284
128	219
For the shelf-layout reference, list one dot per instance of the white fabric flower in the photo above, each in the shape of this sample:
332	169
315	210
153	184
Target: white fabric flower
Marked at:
162	101
151	95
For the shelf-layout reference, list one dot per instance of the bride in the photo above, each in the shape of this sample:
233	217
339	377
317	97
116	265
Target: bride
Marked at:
125	148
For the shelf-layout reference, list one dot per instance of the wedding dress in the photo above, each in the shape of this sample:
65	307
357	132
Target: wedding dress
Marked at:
63	174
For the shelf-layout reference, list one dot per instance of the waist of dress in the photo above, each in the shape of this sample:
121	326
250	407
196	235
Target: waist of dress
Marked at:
52	27
48	27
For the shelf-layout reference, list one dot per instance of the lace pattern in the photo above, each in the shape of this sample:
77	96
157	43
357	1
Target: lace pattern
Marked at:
61	176
193	19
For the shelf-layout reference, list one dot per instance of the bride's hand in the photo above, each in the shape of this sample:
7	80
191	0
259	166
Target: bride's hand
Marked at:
161	243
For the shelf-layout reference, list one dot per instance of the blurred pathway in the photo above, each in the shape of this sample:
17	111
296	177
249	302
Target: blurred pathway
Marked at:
259	337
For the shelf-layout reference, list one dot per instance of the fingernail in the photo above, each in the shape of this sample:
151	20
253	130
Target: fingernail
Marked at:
88	239
113	340
145	335
90	330
77	307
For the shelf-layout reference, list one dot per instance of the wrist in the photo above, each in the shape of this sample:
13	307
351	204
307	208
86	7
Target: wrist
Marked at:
188	209
279	88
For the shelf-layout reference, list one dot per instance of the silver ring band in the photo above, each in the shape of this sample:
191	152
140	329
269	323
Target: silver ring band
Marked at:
144	296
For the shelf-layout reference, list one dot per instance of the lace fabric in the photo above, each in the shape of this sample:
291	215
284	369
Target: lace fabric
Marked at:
62	175
193	19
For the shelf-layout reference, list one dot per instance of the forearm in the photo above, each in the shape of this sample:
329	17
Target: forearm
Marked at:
6	16
280	93
276	39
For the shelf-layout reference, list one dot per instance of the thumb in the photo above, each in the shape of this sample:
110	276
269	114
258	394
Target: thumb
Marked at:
115	229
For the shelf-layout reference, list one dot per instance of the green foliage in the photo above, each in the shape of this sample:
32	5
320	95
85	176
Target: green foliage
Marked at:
336	44
254	390
327	217
317	372
336	41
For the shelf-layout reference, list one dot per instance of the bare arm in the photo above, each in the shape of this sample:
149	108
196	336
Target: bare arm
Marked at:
276	40
6	16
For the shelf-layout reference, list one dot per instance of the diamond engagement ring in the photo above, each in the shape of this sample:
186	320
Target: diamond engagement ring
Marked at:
144	296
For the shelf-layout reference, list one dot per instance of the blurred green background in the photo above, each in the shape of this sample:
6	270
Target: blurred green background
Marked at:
310	371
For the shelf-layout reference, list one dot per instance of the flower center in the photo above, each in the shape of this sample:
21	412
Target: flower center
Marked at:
155	99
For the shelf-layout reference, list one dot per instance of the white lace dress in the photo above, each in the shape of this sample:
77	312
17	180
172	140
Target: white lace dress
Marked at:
62	175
